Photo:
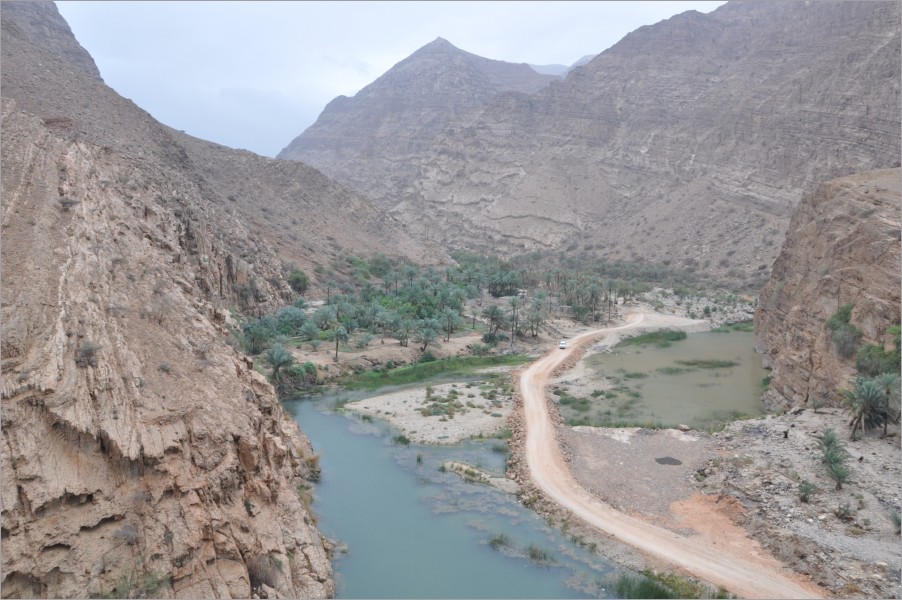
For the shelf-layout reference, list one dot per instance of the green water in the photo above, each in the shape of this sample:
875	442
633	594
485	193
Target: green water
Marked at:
652	388
412	531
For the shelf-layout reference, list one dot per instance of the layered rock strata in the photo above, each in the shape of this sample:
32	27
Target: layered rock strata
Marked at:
842	247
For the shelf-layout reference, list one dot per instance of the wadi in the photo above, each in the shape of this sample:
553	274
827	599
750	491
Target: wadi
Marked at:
628	328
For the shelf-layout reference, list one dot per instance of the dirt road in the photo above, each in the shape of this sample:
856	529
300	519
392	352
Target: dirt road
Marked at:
740	566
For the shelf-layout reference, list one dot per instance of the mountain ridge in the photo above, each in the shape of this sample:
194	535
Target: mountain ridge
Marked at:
737	112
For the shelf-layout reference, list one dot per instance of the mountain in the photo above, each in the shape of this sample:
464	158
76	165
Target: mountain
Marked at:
389	125
689	142
561	70
556	70
142	453
842	247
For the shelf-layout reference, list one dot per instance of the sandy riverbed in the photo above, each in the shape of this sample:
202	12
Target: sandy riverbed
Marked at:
478	413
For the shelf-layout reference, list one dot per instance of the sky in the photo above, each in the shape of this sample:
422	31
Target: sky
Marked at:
255	75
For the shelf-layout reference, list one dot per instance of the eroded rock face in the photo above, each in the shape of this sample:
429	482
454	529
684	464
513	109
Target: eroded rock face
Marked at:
136	442
689	142
842	247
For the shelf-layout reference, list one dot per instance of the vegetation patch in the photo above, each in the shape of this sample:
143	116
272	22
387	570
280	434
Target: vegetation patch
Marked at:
457	365
662	339
744	326
708	363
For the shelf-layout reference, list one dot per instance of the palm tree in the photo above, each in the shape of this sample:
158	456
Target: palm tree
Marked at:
278	357
889	385
866	404
341	336
426	332
496	317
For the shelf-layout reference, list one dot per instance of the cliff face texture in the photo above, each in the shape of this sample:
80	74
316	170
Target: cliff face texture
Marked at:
141	453
688	141
842	247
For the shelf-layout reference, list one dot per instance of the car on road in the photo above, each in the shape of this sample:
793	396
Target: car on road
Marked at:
563	345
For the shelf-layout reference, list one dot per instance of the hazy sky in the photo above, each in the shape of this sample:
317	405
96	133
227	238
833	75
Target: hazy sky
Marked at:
254	75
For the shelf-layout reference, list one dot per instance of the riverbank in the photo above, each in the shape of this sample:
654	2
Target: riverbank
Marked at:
443	414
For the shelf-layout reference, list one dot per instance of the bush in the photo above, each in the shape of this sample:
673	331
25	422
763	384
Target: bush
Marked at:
427	357
846	337
641	587
363	341
298	281
842	316
806	489
844	512
872	361
839	473
480	349
86	354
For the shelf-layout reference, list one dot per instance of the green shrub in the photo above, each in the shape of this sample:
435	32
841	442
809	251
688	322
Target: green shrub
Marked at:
839	473
628	586
662	339
872	360
427	357
401	440
846	337
842	316
844	512
499	541
537	554
806	489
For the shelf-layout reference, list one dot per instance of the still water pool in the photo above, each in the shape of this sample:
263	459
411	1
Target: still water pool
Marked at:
408	530
688	382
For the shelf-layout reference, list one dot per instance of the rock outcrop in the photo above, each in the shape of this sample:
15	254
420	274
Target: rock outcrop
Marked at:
689	142
142	454
842	247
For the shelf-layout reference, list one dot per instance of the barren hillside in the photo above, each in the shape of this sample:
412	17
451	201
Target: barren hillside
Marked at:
688	142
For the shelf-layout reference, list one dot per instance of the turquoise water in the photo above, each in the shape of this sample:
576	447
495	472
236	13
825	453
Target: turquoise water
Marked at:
411	531
656	389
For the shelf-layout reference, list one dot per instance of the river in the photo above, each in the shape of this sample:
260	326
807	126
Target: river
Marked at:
408	530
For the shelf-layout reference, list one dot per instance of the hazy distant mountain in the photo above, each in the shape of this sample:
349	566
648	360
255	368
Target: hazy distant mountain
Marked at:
556	70
390	125
689	141
561	70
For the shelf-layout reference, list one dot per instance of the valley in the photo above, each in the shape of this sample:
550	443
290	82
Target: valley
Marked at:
340	372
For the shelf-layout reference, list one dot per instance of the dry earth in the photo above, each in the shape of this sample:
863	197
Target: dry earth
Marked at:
402	410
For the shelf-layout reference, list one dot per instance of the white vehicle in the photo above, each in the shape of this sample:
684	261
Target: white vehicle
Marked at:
562	345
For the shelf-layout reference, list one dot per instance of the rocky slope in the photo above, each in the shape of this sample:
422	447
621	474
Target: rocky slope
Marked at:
142	453
842	247
689	141
374	141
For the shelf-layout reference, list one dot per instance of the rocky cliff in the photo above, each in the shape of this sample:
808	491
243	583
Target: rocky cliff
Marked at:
689	141
842	247
142	454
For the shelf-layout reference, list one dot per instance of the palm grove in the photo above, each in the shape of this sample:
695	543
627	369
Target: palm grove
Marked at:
375	299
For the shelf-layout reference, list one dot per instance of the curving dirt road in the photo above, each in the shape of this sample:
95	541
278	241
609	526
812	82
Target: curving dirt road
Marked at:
746	570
